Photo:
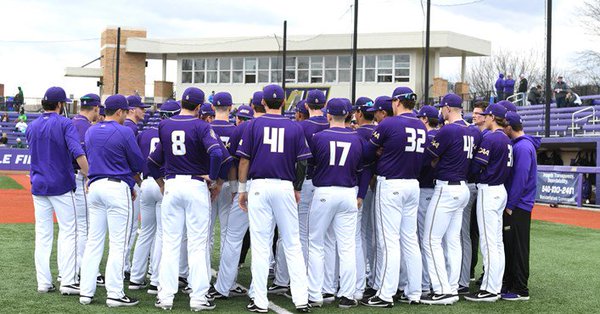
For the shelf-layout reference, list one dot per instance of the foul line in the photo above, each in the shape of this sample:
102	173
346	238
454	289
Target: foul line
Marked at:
272	306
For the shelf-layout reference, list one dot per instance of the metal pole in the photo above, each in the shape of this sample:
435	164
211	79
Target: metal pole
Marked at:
284	54
427	31
548	67
354	51
118	60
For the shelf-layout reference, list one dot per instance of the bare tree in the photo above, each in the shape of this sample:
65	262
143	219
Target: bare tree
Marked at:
589	60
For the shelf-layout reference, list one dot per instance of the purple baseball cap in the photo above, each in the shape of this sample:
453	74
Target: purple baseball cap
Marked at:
496	110
56	94
245	112
450	100
338	106
273	91
207	109
90	100
514	119
315	97
193	95
170	107
429	112
136	101
508	105
363	103
300	107
404	93
222	99
381	103
257	98
115	102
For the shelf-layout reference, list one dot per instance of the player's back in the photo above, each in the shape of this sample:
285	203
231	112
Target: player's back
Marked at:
185	141
224	130
403	139
274	143
427	176
498	148
454	150
147	141
365	131
338	154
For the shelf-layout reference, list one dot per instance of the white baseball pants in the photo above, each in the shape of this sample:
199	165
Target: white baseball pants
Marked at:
220	208
150	202
443	222
64	207
110	209
424	200
491	202
465	238
186	203
270	202
134	226
81	208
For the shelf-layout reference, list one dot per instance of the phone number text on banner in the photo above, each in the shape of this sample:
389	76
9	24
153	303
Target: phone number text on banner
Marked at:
558	187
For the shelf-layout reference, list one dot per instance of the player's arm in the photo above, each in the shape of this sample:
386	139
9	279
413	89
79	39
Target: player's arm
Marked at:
481	158
519	174
154	162
301	166
436	148
74	146
133	152
243	168
213	148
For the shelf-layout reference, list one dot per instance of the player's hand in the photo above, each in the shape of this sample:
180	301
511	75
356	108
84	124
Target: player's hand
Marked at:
86	186
297	196
359	203
133	195
243	201
215	190
508	211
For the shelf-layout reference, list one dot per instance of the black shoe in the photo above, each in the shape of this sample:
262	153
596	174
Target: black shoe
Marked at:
252	307
439	299
346	303
182	282
314	304
463	290
238	292
375	301
369	292
100	281
398	294
137	286
152	290
328	297
124	301
403	298
70	289
208	305
303	308
214	294
127	275
277	289
482	296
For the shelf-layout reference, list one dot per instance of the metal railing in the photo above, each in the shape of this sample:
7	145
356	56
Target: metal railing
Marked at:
519	99
573	120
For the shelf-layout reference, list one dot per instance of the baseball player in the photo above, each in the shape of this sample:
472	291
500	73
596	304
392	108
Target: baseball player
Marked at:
102	114
88	114
301	111
207	112
510	107
338	157
237	222
53	143
402	138
382	108
494	159
451	149
134	116
521	188
114	157
190	152
150	202
272	154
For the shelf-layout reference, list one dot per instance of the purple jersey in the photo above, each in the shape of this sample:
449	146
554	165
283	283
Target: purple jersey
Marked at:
273	144
403	140
427	176
235	138
338	155
311	126
112	152
454	148
495	154
473	130
366	131
147	141
53	144
132	125
185	145
81	124
224	130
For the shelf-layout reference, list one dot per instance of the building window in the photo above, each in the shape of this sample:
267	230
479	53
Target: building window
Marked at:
238	70
303	68
199	68
402	68
263	70
212	66
384	68
330	69
316	69
344	68
186	71
370	68
225	70
276	64
249	70
359	69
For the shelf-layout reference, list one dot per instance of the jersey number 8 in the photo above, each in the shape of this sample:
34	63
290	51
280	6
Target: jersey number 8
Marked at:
178	139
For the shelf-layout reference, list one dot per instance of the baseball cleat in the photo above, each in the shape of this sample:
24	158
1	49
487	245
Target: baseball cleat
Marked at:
346	303
70	289
369	293
328	297
252	307
163	305
182	282
277	289
203	306
137	286
152	289
100	281
214	294
47	289
439	299
121	302
187	290
83	300
305	308
511	296
238	292
314	304
126	275
463	290
482	296
375	301
288	294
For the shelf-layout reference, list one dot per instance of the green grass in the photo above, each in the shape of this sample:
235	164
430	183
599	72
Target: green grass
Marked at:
564	279
7	183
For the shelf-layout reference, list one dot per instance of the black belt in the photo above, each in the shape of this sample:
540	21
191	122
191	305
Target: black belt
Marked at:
193	177
454	182
114	180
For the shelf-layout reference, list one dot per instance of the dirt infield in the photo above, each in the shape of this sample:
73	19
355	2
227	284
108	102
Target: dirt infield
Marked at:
16	206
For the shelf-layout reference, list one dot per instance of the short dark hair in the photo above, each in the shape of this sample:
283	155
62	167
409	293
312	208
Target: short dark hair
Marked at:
338	118
304	115
49	105
481	105
87	108
259	108
315	106
517	128
390	113
110	112
500	121
369	116
408	103
433	122
348	118
274	103
188	105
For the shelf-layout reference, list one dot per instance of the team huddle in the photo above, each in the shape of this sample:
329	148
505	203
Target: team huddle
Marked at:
370	212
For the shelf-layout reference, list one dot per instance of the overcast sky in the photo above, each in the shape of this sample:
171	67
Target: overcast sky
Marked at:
27	59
